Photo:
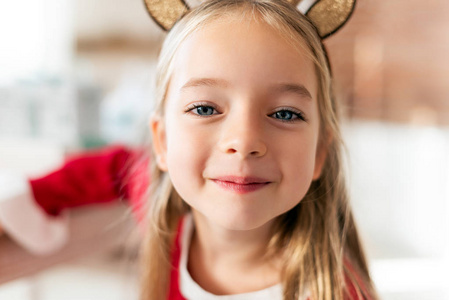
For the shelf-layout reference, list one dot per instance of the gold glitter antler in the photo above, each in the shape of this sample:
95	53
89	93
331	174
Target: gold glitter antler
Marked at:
330	15
294	2
327	15
166	12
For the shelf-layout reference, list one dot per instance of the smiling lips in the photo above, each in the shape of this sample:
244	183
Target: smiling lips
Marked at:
241	185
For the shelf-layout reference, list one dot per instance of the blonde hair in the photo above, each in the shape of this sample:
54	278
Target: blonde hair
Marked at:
318	237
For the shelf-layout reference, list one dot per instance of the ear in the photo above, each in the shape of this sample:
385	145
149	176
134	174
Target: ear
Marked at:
321	155
166	13
159	141
329	16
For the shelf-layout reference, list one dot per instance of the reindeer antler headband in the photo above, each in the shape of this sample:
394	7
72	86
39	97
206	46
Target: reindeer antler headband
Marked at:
327	15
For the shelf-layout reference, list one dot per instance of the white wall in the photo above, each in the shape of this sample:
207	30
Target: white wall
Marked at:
36	36
400	194
103	19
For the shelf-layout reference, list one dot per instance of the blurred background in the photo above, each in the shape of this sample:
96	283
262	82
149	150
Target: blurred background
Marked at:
76	74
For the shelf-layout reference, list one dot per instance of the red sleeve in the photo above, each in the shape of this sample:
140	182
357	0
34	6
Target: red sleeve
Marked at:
352	292
174	291
355	289
92	177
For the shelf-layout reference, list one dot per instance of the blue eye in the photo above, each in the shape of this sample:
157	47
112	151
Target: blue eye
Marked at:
284	115
204	110
287	115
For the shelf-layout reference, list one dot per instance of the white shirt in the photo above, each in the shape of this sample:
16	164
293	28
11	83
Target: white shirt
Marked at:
192	291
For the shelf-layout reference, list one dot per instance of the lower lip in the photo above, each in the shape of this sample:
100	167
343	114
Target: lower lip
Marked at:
240	188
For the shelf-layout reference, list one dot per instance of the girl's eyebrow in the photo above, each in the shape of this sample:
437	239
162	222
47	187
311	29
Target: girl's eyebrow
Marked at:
294	88
195	82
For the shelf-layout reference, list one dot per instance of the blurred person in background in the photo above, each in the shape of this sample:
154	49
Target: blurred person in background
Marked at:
34	211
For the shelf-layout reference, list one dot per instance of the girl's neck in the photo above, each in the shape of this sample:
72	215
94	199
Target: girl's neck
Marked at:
225	261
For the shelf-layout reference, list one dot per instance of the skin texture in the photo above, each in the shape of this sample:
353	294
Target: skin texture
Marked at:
240	142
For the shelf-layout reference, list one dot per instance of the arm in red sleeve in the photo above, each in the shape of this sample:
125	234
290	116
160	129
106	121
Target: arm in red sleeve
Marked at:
30	211
92	177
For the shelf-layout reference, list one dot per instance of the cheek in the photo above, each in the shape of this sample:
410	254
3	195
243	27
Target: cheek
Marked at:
180	153
299	169
298	164
186	158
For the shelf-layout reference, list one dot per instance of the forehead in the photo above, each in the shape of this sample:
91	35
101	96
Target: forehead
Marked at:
244	50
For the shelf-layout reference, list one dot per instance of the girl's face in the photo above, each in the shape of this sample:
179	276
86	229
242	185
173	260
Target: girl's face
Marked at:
240	134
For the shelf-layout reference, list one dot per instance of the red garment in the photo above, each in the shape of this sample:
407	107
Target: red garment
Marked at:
174	292
97	176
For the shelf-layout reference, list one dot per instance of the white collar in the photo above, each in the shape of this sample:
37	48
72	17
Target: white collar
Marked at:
191	290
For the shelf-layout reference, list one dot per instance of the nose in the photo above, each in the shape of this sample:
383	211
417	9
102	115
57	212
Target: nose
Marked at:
243	137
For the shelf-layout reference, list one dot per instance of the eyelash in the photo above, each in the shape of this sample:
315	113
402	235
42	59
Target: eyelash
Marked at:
192	107
297	115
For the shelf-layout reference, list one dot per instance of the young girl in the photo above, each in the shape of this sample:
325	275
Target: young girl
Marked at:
248	195
248	198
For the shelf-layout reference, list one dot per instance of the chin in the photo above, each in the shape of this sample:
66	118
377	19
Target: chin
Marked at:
242	223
